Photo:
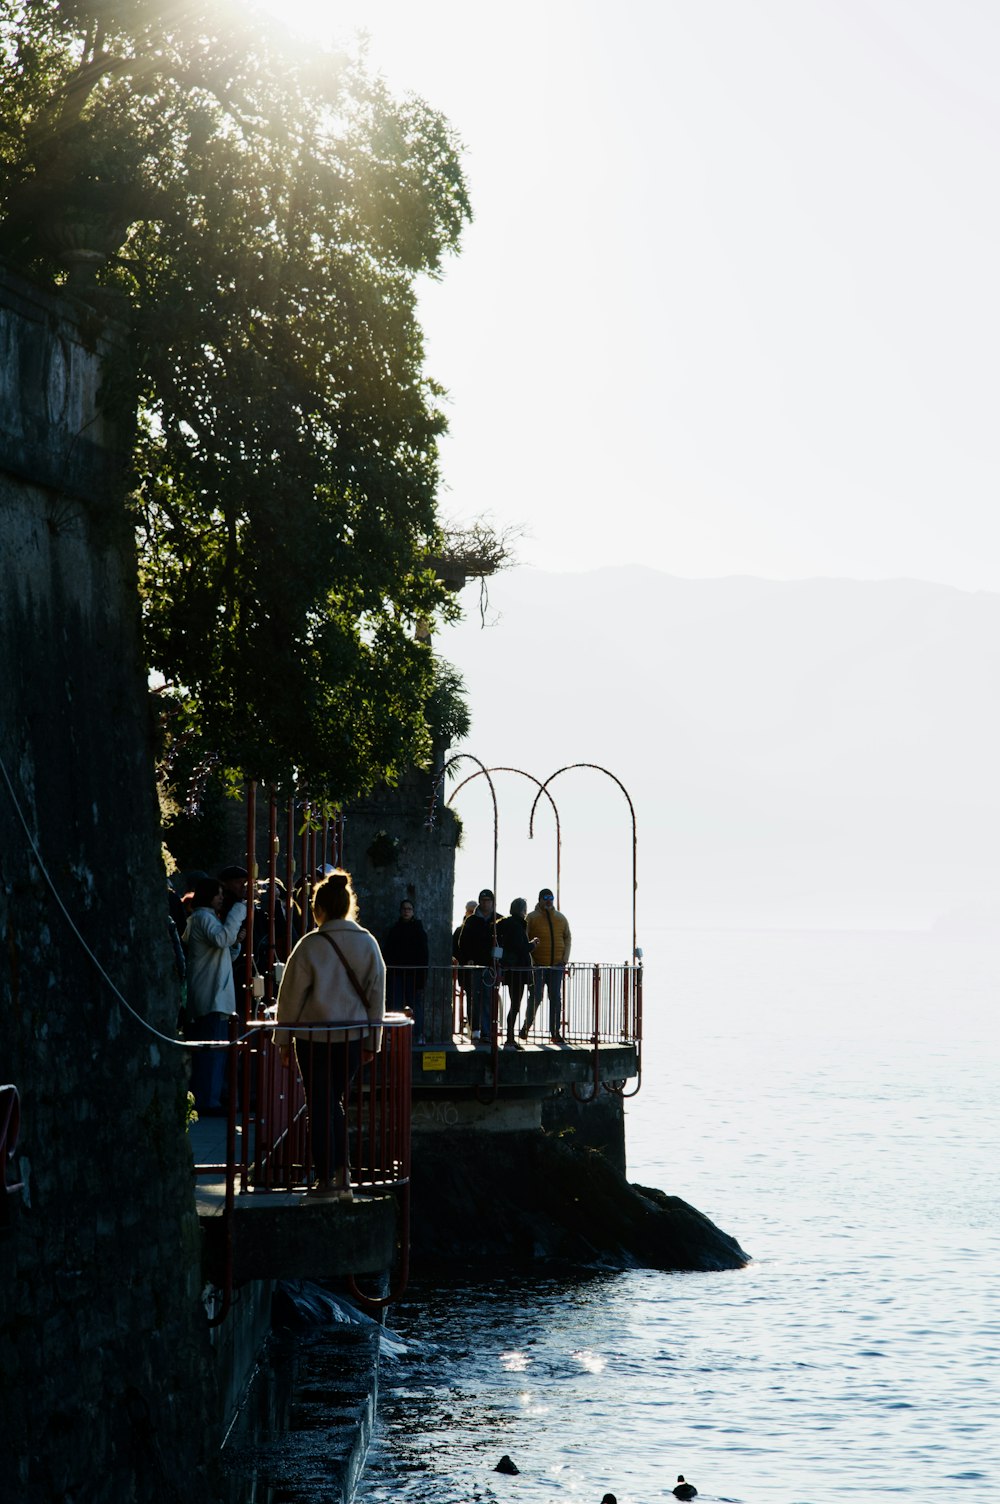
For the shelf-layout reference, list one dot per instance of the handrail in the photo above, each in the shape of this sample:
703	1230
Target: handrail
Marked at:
493	1090
275	1134
637	985
597	998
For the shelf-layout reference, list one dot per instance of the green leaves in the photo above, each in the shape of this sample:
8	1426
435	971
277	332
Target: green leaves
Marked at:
274	207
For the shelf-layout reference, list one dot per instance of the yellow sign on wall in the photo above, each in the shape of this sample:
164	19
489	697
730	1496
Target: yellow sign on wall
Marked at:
433	1060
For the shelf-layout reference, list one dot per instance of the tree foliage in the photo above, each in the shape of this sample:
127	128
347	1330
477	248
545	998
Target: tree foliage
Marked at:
268	209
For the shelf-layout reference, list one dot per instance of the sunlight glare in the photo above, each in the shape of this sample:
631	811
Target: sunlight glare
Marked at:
515	1362
324	20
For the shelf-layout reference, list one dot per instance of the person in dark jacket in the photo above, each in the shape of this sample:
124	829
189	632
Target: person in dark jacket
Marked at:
512	933
456	939
476	948
406	955
464	979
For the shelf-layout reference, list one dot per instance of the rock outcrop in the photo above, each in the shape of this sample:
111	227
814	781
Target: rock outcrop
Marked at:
516	1200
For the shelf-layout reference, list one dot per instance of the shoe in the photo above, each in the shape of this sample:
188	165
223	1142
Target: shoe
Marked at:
557	1039
344	1193
510	1044
522	1033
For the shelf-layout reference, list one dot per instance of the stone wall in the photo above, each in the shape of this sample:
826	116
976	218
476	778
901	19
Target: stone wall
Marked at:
391	855
104	1356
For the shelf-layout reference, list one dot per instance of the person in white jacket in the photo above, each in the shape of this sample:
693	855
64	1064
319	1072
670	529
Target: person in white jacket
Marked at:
212	945
335	975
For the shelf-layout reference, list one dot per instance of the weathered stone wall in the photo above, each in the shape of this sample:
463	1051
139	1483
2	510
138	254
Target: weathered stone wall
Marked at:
104	1358
392	855
597	1122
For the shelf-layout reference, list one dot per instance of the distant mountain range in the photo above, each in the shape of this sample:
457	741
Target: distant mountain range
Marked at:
817	752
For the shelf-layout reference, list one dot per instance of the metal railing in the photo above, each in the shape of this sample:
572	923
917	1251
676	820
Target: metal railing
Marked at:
273	1142
599	1004
280	1139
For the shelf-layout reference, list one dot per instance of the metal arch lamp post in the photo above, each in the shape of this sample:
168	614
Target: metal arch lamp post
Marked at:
541	790
435	791
597	768
636	953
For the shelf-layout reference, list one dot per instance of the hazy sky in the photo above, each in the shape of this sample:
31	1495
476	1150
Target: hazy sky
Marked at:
730	301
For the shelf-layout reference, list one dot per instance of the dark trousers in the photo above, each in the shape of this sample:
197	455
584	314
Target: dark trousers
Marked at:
481	1012
208	1067
517	978
327	1072
406	990
551	977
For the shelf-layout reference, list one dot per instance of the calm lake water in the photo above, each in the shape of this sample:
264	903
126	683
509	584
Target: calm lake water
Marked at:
833	1100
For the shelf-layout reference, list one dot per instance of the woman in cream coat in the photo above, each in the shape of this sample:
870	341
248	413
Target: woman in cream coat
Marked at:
335	975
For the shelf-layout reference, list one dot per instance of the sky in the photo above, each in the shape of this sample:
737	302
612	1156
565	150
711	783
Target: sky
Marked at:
729	304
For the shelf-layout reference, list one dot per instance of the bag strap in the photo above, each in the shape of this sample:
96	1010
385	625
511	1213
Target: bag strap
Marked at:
347	967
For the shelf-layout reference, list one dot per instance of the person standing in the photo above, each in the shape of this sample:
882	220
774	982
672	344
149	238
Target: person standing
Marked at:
456	939
464	980
512	934
550	929
335	975
477	951
213	945
235	882
406	955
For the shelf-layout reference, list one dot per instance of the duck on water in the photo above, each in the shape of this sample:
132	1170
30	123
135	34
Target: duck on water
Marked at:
681	1491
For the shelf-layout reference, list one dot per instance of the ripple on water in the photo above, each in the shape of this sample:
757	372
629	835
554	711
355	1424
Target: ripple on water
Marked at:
858	1355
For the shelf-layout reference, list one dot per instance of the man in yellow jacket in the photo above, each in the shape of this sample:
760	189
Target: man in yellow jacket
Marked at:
548	932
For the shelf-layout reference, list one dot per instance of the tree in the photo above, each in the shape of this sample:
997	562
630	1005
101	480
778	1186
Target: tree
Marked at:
267	210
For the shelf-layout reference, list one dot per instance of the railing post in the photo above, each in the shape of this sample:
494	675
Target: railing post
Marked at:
305	873
251	860
289	873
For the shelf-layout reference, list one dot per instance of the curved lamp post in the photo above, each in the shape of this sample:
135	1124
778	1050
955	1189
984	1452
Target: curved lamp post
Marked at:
435	791
439	780
636	954
597	768
541	790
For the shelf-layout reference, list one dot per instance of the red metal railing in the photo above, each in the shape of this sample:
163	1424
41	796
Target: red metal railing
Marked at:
279	1147
600	1004
271	1142
268	1121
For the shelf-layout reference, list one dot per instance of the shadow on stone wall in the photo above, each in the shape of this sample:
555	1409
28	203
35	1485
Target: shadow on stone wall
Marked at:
516	1200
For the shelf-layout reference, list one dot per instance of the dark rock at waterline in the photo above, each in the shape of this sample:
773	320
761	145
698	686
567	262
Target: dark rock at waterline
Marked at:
526	1198
505	1465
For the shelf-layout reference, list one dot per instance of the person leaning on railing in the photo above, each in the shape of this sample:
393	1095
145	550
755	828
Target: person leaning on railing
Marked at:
335	975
